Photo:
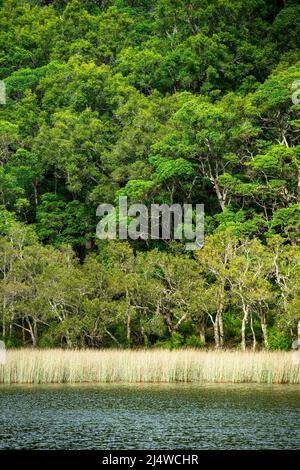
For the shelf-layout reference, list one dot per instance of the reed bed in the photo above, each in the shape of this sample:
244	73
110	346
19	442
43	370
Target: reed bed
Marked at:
33	366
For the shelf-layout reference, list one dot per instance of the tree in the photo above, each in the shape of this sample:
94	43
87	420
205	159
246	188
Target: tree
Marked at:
165	102
214	259
212	138
250	288
286	269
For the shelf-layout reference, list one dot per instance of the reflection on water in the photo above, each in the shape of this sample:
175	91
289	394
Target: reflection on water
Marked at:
150	417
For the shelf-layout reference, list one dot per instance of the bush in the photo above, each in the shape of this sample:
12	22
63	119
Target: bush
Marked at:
193	341
12	342
278	340
175	342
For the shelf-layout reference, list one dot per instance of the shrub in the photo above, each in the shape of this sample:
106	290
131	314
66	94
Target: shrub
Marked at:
175	342
193	341
278	340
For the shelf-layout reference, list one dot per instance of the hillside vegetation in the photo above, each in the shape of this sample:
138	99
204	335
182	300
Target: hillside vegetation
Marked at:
163	101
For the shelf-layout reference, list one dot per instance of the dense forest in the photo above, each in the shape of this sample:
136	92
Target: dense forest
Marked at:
163	101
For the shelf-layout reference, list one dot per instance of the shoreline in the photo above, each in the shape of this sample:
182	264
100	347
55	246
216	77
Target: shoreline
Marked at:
157	366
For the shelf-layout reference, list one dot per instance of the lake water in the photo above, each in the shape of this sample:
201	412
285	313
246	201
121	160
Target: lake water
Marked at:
150	417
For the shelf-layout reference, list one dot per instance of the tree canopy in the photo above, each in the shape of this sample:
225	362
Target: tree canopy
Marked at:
165	102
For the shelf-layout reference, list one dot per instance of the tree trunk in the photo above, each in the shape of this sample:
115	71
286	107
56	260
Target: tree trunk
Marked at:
113	337
32	333
221	197
253	334
264	331
216	333
220	313
298	330
128	328
33	339
169	322
68	341
202	333
3	319
23	332
35	193
35	332
244	323
144	336
221	329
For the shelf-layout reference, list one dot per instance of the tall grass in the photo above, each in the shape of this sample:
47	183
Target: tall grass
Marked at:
78	366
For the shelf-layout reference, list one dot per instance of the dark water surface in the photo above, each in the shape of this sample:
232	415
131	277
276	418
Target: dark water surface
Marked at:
150	417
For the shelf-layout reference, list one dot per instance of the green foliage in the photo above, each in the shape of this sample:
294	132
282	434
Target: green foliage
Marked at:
278	340
61	222
163	102
176	341
287	220
193	341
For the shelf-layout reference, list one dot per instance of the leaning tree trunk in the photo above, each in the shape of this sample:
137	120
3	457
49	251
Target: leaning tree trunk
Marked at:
221	196
32	331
